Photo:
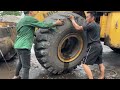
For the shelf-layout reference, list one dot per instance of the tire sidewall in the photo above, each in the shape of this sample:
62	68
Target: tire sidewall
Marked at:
53	49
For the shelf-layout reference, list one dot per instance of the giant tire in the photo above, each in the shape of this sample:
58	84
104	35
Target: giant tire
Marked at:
48	44
7	38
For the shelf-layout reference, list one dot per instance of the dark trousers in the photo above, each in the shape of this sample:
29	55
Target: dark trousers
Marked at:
23	63
93	54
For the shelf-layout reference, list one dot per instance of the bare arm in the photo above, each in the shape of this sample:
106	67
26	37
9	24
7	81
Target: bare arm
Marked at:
76	26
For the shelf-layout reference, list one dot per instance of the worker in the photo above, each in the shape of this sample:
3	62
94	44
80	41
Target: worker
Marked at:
94	51
25	37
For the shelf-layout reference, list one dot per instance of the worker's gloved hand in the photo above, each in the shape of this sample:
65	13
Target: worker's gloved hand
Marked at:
59	22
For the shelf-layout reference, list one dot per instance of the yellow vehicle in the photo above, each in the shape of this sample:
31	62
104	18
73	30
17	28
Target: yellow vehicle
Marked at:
103	24
67	48
42	15
110	29
61	48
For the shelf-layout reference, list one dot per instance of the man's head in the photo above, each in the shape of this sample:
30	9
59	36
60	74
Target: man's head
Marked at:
30	13
90	17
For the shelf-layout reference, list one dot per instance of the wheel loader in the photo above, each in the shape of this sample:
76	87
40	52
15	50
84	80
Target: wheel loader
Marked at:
60	49
110	29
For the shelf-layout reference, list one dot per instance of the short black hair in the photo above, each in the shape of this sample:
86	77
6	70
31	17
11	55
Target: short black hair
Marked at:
26	12
92	13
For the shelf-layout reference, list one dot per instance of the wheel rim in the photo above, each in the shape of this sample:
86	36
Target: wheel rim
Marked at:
70	47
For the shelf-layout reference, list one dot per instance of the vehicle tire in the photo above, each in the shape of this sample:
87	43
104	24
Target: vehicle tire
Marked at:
60	48
7	38
7	51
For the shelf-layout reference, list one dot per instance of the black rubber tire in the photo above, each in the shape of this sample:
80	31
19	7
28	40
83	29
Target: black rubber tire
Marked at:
7	38
116	50
47	41
10	55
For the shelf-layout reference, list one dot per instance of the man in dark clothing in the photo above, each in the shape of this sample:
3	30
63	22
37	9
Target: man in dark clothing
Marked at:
94	52
25	36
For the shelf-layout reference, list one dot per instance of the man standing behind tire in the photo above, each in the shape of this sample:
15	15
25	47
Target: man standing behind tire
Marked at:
23	44
94	53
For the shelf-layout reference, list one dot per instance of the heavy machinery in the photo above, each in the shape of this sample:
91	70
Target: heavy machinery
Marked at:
7	37
61	48
110	29
58	49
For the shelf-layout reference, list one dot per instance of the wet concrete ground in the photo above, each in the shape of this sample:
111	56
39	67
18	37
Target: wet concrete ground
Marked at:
111	62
